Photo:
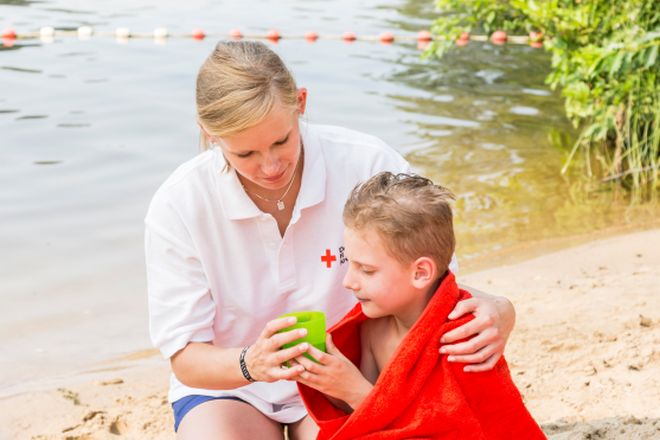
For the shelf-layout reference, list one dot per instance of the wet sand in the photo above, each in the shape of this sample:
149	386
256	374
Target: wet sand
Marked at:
585	354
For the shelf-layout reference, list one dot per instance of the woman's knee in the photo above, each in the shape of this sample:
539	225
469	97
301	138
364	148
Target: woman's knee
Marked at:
227	419
304	429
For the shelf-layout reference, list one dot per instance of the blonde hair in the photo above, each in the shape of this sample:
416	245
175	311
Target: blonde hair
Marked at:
411	215
238	85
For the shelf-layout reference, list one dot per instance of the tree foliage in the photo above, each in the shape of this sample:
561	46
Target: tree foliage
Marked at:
605	60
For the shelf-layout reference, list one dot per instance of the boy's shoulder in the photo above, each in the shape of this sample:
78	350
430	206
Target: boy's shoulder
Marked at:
379	335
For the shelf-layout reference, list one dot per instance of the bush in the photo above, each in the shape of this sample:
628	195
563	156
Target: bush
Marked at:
605	61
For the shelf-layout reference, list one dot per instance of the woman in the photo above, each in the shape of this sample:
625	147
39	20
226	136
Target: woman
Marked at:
251	229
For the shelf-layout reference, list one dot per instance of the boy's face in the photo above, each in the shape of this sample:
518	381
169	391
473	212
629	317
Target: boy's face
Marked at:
379	282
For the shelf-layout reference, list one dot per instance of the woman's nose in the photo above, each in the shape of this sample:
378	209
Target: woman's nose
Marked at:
271	164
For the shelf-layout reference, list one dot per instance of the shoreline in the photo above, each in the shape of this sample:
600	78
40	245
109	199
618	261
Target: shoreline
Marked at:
584	354
524	251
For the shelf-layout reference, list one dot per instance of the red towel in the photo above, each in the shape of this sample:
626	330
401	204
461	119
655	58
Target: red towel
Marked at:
419	394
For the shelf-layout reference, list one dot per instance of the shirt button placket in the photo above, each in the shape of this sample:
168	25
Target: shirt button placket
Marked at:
270	236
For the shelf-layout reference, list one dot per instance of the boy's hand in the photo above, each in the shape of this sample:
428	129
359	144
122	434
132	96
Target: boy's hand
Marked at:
493	321
334	375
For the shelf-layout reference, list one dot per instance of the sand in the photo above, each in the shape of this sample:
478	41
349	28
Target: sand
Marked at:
585	354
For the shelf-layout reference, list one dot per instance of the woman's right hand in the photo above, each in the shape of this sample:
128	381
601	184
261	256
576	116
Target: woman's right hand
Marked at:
264	359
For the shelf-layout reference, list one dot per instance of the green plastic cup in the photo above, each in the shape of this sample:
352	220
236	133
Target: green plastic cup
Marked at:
314	322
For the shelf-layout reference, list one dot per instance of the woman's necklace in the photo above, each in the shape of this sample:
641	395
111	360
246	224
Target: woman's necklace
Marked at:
279	201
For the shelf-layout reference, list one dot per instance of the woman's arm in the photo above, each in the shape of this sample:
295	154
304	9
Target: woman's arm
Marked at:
203	365
182	312
494	318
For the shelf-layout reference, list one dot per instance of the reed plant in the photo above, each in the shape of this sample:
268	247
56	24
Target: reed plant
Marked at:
606	63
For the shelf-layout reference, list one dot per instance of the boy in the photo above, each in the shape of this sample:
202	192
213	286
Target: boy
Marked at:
399	240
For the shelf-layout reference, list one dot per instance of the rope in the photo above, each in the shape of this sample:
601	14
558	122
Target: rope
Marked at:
49	33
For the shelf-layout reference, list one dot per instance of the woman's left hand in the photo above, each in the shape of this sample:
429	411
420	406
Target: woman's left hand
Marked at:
334	375
493	321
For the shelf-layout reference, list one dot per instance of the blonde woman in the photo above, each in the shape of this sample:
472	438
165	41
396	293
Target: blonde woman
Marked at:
251	229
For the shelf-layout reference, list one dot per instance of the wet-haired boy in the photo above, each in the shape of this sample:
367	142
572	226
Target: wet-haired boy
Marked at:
383	374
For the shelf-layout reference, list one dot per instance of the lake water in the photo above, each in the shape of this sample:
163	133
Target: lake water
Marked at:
89	129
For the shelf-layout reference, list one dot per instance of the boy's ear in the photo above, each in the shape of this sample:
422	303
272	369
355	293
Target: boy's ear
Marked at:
424	272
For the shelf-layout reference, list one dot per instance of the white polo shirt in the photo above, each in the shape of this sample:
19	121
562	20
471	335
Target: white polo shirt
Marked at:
218	269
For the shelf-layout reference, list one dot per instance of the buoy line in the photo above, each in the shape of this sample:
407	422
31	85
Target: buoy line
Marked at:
49	33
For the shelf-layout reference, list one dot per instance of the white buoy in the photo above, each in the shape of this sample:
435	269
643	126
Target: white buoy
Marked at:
47	32
161	33
85	32
123	33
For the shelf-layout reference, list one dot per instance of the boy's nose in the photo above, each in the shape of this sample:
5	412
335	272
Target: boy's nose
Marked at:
348	281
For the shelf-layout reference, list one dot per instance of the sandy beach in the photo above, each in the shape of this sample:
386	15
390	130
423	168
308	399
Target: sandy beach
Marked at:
585	354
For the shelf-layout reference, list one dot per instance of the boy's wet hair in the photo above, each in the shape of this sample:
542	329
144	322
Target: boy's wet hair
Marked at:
411	215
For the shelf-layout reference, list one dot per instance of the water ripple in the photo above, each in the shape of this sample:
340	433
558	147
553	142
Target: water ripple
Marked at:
21	118
73	125
20	69
524	110
536	92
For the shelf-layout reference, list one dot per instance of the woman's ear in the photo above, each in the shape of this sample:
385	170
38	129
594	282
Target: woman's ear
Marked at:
201	127
302	100
424	272
205	135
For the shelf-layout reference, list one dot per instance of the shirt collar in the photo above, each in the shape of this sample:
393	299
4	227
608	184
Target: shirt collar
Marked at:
313	187
237	205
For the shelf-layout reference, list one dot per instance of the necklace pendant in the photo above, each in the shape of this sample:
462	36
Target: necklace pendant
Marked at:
280	205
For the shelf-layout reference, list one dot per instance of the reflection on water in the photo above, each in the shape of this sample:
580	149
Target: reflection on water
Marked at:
488	128
91	128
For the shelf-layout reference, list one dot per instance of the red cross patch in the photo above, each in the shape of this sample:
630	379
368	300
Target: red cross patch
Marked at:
328	258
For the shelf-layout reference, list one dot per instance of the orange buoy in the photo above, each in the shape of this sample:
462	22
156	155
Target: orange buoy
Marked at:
349	36
9	34
536	36
424	36
536	39
273	35
235	34
198	34
463	39
386	37
498	37
311	36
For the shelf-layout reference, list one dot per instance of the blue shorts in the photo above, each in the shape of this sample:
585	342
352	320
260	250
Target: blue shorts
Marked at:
183	406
